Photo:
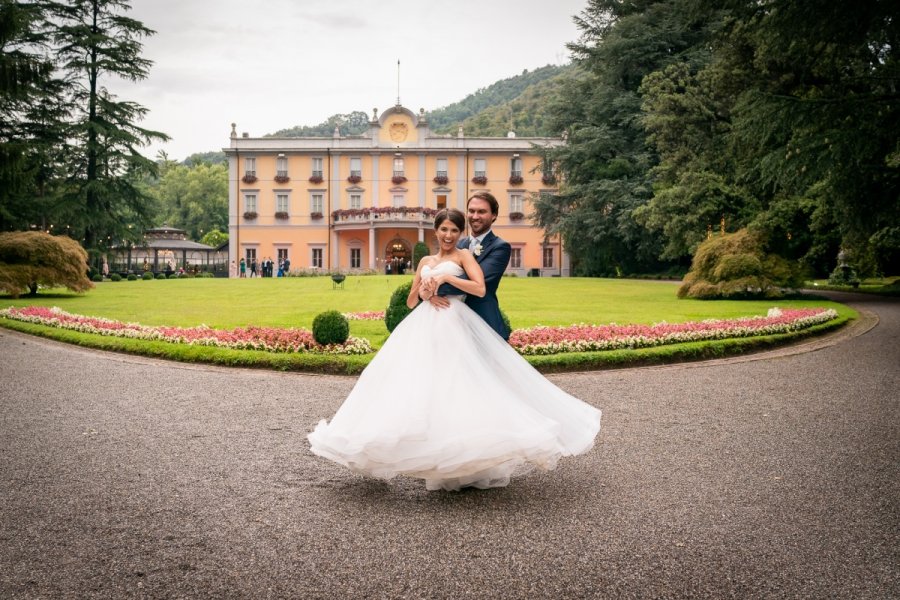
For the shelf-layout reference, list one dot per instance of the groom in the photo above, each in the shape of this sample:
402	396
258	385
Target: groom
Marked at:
491	252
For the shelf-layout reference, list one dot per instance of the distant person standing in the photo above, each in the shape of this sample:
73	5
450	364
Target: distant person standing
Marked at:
287	266
232	270
243	268
253	267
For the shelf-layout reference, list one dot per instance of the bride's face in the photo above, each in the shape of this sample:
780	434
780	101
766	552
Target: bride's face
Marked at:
447	234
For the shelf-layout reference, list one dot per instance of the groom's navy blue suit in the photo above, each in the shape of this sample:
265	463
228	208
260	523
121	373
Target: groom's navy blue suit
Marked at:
493	258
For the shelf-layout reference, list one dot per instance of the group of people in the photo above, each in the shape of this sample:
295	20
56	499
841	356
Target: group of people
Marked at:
266	268
468	410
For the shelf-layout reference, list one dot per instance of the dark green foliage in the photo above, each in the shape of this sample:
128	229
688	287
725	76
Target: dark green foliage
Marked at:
160	275
29	259
506	322
115	277
97	277
132	277
517	104
330	327
420	251
354	123
214	157
397	309
736	265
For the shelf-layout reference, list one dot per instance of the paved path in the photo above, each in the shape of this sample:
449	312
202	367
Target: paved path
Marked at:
126	477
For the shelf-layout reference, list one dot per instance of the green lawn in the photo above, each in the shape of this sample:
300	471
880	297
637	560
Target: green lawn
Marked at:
294	302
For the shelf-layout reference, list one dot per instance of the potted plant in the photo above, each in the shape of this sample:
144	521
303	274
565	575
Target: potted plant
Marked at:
250	215
398	179
515	179
281	214
548	179
316	179
249	178
479	180
354	179
315	215
441	180
282	179
516	216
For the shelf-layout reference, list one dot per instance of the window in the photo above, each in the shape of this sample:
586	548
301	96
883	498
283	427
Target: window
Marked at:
250	202
480	167
282	255
251	255
317	258
355	258
356	201
356	167
316	202
441	201
515	203
441	167
515	167
548	258
317	167
398	201
281	166
250	166
398	167
281	203
515	258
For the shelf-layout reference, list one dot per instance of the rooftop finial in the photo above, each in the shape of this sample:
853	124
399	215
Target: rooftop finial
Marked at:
398	82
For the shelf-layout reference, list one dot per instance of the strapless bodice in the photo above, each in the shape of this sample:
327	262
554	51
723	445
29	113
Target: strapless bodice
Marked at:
448	266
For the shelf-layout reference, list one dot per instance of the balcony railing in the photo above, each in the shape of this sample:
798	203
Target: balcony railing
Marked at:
281	173
355	173
399	174
515	173
407	214
317	174
440	174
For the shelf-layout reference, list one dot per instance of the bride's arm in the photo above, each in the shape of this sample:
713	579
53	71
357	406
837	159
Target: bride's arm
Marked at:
474	285
413	299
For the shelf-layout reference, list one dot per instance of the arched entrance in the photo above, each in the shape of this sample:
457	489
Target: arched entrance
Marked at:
397	256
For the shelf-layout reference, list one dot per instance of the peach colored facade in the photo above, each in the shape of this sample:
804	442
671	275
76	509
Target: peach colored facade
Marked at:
360	203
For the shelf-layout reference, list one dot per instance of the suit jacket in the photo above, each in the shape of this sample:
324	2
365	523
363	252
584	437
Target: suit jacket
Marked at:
493	259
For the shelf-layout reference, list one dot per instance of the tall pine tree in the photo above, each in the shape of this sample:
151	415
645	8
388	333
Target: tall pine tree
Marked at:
96	41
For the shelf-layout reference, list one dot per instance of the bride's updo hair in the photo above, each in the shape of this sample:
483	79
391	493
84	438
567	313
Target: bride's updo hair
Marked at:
455	215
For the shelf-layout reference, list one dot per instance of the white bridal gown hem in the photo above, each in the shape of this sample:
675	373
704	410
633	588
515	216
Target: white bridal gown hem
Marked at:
447	400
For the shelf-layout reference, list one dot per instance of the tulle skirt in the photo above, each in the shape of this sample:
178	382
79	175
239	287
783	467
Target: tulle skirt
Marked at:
447	400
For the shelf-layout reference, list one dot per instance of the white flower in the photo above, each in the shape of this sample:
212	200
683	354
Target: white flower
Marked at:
477	250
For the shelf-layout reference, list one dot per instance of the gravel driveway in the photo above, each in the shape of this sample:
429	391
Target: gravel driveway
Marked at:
765	478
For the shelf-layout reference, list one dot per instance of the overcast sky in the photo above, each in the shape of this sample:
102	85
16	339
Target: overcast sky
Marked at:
274	64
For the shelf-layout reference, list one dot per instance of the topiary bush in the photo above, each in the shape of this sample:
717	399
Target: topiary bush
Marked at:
115	277
420	251
160	275
736	265
397	309
330	327
97	277
506	322
131	277
147	276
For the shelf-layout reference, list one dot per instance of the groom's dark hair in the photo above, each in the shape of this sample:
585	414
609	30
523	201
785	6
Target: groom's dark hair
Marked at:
487	197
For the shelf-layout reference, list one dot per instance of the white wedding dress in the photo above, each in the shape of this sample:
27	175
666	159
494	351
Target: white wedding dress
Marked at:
447	400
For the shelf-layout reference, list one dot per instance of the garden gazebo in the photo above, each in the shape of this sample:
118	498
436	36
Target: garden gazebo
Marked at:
168	249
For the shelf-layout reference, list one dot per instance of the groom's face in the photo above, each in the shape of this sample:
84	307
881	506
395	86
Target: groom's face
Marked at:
480	216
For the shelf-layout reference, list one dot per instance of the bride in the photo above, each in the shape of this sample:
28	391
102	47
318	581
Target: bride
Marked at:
447	400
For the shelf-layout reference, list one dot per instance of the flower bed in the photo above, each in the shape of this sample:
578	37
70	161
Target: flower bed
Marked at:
372	315
586	338
269	339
